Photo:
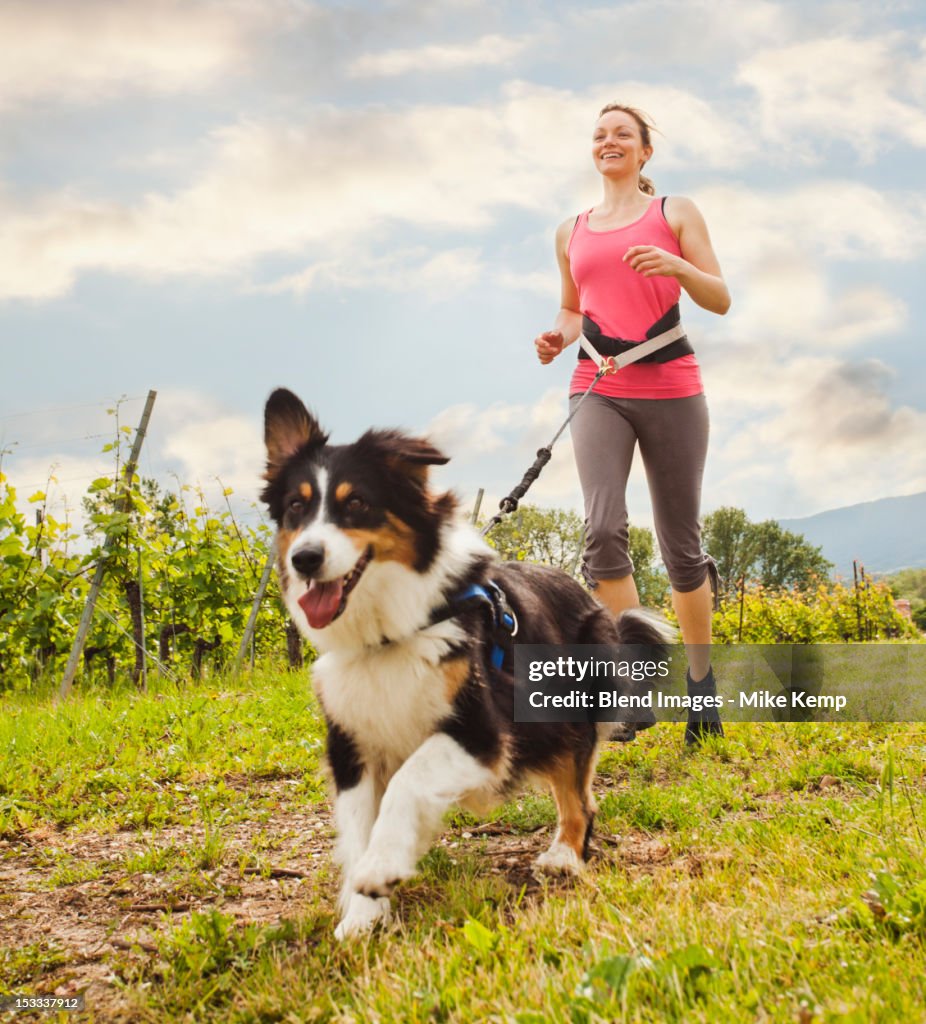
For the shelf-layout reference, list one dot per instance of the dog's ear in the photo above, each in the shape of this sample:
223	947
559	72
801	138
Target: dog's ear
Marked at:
288	426
409	455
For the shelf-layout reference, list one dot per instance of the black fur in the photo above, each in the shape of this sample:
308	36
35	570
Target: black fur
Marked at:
343	758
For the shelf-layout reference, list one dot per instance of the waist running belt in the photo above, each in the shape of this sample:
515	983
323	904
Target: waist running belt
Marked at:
618	346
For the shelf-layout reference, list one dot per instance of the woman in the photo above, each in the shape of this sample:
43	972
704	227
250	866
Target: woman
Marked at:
624	264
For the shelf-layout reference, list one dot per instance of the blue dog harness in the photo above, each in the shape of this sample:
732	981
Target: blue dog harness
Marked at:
503	623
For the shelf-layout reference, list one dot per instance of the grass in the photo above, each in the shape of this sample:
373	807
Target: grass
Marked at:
114	760
776	875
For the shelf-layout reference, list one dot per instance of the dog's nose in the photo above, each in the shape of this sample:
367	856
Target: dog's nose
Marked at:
308	560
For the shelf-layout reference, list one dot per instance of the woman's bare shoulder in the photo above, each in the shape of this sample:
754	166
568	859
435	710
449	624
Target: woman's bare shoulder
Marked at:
565	229
563	236
680	210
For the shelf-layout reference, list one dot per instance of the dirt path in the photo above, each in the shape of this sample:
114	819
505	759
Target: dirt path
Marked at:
101	925
89	934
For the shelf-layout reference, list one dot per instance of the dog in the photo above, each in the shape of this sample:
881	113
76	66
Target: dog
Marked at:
417	701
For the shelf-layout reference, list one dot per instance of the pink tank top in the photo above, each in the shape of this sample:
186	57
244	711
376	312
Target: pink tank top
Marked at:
625	305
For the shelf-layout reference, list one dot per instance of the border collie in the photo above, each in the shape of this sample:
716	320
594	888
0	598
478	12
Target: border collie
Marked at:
419	713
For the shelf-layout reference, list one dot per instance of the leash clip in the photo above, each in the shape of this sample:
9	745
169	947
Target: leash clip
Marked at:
505	625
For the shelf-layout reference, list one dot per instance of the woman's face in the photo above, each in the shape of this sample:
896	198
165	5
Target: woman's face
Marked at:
617	147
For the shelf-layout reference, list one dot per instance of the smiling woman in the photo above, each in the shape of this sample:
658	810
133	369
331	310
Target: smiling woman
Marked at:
624	264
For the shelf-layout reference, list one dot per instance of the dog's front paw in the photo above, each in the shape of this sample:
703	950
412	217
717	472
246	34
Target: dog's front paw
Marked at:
362	916
376	874
560	859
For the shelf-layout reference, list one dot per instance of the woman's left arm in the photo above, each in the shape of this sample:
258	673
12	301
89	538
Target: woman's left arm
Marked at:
697	269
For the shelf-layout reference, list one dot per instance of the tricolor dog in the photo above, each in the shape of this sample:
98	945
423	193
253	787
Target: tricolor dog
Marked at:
402	600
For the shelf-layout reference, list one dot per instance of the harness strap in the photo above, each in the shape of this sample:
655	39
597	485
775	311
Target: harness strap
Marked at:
503	623
665	340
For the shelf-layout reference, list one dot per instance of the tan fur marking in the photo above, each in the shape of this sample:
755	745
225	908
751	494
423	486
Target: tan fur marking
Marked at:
392	542
572	801
305	489
284	540
342	491
405	550
456	673
483	802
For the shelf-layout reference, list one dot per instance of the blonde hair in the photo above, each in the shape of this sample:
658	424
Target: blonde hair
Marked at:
646	127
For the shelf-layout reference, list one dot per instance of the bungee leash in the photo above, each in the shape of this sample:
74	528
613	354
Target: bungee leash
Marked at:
606	365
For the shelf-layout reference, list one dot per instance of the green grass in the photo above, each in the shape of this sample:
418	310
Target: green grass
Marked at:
776	875
18	964
113	760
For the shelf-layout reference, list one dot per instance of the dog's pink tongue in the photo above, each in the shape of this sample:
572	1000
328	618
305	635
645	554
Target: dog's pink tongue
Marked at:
321	602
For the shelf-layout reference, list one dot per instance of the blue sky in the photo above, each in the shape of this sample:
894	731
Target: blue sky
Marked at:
358	202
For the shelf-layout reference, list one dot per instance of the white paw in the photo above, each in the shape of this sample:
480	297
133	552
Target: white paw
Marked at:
362	916
560	859
377	874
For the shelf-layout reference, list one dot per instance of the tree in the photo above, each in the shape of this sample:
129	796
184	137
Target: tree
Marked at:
908	583
652	582
548	536
727	538
784	559
551	536
760	552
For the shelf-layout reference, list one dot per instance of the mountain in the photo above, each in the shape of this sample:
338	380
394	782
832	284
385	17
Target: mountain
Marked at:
884	535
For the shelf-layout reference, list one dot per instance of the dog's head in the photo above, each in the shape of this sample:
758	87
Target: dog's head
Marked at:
341	508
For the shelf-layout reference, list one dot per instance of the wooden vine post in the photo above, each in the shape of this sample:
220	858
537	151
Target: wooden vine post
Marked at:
83	628
255	608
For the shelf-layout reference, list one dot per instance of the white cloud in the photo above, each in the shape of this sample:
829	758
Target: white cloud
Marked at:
862	91
797	425
466	431
485	51
823	220
92	50
435	275
540	282
793	306
811	432
339	181
673	33
781	251
845	440
202	442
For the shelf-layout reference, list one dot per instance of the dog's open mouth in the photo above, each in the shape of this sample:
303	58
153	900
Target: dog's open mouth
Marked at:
324	602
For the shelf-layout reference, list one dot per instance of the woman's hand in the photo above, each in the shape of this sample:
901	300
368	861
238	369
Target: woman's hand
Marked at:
549	345
696	269
651	261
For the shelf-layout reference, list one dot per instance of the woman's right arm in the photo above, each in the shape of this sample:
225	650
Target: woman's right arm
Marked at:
568	324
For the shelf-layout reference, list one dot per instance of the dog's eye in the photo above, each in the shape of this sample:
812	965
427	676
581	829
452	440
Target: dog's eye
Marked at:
296	505
356	504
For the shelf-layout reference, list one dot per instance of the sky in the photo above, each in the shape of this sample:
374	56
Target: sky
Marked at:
358	201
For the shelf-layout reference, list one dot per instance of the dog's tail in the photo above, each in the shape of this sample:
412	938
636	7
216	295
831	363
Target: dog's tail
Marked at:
649	636
646	628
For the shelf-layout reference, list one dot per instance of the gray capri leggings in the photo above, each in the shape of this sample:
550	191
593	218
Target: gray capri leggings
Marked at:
672	433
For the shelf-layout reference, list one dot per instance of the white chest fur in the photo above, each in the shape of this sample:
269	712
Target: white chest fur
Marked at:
390	698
